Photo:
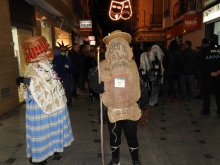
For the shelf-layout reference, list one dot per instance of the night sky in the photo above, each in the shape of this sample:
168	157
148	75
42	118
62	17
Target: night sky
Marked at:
107	25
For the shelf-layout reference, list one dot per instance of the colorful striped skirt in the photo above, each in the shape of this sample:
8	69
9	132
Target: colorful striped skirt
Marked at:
46	134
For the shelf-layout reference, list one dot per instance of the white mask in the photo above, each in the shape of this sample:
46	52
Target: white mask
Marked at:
63	53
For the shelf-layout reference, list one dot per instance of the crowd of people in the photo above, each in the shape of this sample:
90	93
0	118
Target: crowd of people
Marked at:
139	76
184	69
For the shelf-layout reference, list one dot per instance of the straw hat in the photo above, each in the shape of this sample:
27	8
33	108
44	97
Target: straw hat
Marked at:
115	34
36	48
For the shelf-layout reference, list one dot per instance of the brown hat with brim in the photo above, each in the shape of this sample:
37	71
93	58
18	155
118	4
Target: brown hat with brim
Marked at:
115	34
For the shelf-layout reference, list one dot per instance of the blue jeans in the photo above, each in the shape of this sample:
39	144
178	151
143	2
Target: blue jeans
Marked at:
187	86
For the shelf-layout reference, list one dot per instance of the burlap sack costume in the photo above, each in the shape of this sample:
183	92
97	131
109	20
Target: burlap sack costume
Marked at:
120	76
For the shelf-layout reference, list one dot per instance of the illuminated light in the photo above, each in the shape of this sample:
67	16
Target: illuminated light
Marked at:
120	10
184	31
92	43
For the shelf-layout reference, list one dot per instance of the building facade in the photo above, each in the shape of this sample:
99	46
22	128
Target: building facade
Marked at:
211	18
183	21
146	22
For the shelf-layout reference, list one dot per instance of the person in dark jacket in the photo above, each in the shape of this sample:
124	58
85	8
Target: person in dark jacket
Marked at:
63	66
189	64
82	66
171	63
210	63
91	62
74	57
205	43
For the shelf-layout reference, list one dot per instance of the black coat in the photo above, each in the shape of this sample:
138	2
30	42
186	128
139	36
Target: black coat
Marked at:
171	62
210	59
189	62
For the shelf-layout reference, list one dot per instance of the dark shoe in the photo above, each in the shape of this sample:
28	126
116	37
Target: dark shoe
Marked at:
136	163
114	161
156	104
39	163
92	99
199	97
205	112
56	153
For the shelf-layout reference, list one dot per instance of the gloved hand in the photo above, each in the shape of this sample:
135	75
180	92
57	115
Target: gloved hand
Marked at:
27	81
19	80
24	80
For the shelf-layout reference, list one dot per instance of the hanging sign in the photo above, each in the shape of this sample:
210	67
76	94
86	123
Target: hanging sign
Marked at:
120	10
211	13
192	22
92	43
175	31
85	25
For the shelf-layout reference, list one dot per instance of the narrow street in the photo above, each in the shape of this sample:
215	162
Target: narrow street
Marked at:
176	135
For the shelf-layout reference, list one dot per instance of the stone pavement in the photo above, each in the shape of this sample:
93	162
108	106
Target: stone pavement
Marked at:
176	135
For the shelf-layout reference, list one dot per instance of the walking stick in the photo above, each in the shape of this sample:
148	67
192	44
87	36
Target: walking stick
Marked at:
101	113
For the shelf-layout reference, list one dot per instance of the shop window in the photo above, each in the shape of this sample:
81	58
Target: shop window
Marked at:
217	30
20	62
62	36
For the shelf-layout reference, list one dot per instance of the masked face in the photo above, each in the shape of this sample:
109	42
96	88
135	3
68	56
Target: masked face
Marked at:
115	10
126	10
63	53
154	49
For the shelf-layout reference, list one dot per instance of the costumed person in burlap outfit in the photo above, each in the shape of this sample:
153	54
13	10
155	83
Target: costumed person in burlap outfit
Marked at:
48	127
155	73
120	77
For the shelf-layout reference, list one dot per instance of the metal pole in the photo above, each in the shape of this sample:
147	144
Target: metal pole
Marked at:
101	113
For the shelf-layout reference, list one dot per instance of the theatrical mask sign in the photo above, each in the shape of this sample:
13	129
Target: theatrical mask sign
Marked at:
120	10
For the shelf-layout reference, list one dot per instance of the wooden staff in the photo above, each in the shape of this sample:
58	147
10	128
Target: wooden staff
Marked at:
101	112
